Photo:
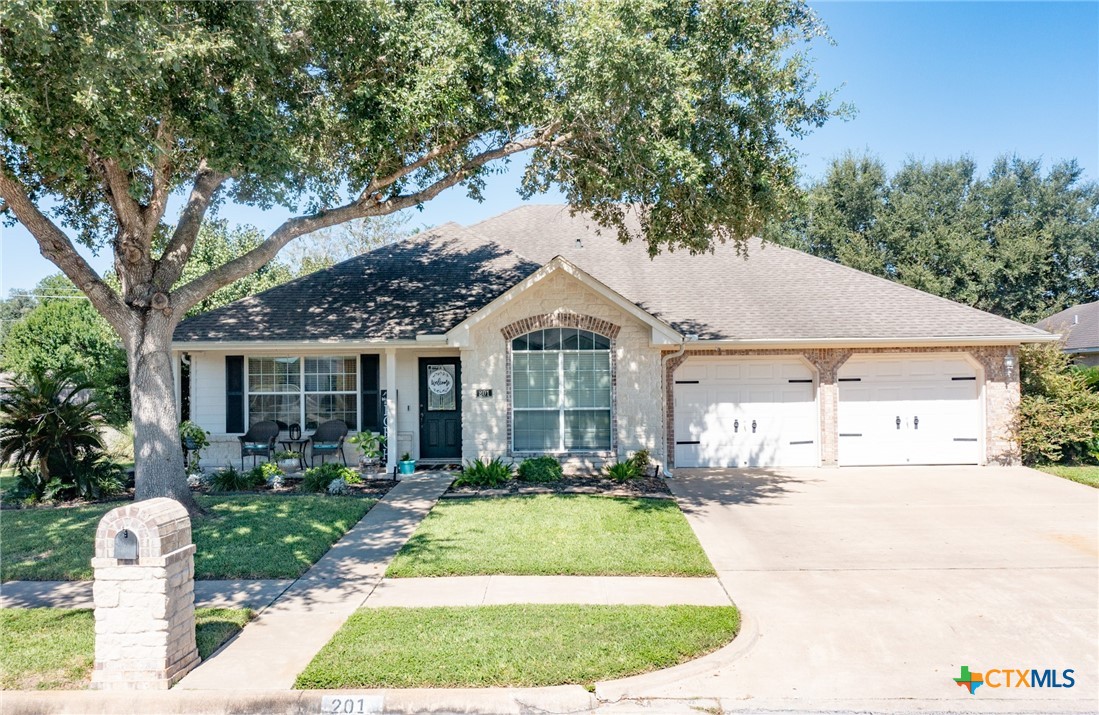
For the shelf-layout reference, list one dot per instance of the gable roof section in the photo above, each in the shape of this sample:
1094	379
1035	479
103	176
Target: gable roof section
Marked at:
425	284
775	294
661	331
432	282
1079	324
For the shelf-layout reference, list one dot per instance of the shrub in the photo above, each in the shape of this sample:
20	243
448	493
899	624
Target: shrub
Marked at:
1058	414
318	479
539	469
641	462
621	471
479	473
49	432
232	479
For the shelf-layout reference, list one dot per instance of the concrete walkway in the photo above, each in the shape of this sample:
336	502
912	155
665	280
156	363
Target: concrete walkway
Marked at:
599	590
78	594
273	649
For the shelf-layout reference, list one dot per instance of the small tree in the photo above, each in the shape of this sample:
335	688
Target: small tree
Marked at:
668	120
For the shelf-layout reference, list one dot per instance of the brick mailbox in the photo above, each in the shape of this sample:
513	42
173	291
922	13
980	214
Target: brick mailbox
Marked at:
144	597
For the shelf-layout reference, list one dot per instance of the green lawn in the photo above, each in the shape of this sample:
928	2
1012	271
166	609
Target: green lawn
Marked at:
527	645
53	648
1085	474
239	537
553	534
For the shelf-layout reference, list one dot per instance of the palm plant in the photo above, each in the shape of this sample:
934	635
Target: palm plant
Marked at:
49	427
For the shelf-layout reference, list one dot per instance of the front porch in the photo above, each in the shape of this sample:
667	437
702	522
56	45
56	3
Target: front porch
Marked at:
383	389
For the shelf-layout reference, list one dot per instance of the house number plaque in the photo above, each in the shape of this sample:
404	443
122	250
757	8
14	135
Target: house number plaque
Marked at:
484	392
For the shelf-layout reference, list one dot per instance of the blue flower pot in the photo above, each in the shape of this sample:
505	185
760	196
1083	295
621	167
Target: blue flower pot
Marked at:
407	467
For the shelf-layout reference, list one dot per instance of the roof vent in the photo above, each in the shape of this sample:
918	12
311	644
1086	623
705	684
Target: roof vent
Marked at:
579	243
1075	318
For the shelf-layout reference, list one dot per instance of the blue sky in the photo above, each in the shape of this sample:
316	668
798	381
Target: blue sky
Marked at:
928	80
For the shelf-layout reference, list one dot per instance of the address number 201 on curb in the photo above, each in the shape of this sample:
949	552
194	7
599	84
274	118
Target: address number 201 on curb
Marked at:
346	704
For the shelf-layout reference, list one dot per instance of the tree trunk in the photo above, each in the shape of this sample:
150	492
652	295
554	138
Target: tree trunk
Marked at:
158	456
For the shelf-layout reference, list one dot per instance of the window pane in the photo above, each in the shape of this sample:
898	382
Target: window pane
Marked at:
537	430
588	429
569	339
600	342
330	374
535	340
587	340
551	339
519	343
280	408
320	408
274	374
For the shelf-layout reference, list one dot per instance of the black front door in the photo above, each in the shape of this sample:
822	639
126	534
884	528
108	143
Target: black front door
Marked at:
440	408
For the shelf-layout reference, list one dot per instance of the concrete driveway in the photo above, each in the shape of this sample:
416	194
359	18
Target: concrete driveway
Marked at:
869	588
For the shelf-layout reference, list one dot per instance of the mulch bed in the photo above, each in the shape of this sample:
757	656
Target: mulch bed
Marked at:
648	487
372	488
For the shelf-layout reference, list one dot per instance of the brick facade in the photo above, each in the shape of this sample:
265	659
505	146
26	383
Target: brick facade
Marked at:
560	300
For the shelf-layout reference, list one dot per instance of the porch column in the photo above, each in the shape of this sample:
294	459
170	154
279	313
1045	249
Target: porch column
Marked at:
828	363
391	409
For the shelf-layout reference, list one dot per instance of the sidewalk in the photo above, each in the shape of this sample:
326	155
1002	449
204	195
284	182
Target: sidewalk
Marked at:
599	590
78	594
273	649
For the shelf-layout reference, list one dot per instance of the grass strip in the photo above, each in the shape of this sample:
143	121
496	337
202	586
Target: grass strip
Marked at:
519	645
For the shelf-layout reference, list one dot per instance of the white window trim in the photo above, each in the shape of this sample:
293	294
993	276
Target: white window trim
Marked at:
302	393
561	409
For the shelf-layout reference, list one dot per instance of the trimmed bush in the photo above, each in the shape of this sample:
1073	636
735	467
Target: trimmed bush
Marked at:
539	469
641	462
479	473
318	479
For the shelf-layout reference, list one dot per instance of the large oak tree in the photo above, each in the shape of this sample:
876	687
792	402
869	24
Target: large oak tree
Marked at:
680	111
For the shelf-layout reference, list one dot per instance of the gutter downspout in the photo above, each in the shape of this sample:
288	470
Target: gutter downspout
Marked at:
664	397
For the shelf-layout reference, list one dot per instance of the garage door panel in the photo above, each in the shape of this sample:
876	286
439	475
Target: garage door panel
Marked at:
713	422
909	411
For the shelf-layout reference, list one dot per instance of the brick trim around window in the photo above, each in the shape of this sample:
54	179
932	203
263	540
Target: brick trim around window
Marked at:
562	319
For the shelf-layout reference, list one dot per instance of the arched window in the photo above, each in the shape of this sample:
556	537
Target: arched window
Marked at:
561	391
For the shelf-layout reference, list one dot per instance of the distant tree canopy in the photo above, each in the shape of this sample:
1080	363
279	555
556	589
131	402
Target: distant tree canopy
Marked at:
62	332
1015	242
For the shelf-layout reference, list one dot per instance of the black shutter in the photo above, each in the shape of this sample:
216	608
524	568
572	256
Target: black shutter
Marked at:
371	402
234	394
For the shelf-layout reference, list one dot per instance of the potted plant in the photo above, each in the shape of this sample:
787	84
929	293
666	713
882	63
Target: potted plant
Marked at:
194	439
287	459
370	447
407	464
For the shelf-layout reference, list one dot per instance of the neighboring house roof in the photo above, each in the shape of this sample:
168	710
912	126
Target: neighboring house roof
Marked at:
1079	324
430	282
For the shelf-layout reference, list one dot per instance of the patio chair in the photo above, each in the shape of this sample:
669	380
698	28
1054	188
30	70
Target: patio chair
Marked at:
328	439
258	440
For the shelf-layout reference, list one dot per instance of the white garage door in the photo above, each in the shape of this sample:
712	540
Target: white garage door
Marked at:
909	410
745	413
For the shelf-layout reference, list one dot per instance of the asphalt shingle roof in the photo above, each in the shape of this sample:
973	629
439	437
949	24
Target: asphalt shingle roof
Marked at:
1079	324
430	282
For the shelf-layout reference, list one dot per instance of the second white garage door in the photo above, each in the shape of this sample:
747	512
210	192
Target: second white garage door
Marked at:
745	413
909	409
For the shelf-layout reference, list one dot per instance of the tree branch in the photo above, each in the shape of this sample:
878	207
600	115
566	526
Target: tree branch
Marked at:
153	212
377	185
118	193
58	249
170	265
190	294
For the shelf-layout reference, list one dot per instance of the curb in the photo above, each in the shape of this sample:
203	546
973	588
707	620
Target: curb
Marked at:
557	700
